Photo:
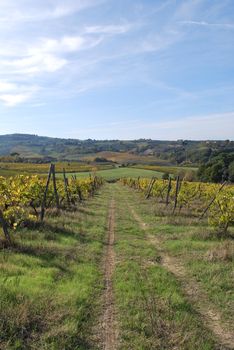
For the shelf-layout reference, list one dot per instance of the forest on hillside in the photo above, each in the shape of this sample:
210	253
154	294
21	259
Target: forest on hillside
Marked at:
35	147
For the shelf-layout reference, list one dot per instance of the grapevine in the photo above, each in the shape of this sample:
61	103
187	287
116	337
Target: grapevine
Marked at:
21	196
195	197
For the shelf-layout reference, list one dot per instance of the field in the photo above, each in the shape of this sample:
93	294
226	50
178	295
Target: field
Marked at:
117	272
11	169
166	169
117	173
127	157
108	171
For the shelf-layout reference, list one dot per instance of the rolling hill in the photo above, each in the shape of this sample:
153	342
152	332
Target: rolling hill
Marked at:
145	151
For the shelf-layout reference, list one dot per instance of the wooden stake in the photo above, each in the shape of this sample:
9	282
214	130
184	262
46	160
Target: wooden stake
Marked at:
43	203
177	192
168	191
66	186
55	187
150	187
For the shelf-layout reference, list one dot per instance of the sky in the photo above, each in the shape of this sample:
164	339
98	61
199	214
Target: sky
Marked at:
126	69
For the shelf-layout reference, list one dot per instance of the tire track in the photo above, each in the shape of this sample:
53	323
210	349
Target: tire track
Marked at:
109	324
210	316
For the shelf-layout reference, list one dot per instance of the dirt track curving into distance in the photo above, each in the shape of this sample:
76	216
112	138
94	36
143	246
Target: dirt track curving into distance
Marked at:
109	325
209	315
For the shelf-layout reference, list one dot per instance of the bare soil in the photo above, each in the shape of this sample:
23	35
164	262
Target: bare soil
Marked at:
109	325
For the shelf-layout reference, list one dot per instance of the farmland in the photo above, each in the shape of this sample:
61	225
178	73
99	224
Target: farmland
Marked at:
107	171
112	174
118	271
11	169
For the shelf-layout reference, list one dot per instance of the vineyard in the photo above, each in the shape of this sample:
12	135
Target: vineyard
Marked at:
26	198
140	263
193	198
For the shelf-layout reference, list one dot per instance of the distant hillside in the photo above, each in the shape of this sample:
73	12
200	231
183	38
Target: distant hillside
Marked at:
148	151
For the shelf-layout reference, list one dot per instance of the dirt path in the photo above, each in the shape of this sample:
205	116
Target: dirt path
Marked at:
109	320
210	316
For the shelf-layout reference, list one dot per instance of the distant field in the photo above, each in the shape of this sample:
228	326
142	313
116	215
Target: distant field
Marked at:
107	171
127	157
11	169
112	174
165	169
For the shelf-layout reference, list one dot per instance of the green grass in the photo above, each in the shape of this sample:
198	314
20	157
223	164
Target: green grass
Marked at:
51	279
117	173
166	169
205	257
153	312
105	171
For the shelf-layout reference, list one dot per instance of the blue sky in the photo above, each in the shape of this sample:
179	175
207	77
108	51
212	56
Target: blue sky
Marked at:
126	69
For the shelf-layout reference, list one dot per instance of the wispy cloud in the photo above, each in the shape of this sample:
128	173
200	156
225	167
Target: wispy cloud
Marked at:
107	59
208	24
12	94
194	128
48	55
33	65
43	10
159	41
109	29
11	100
187	9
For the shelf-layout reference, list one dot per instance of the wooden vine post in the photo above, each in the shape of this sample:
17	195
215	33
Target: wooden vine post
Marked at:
43	203
66	186
5	228
55	187
168	191
148	193
176	192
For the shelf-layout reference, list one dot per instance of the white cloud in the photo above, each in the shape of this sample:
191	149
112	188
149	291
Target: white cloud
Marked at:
12	11
54	54
108	29
6	86
47	56
11	100
207	24
12	94
63	45
35	64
